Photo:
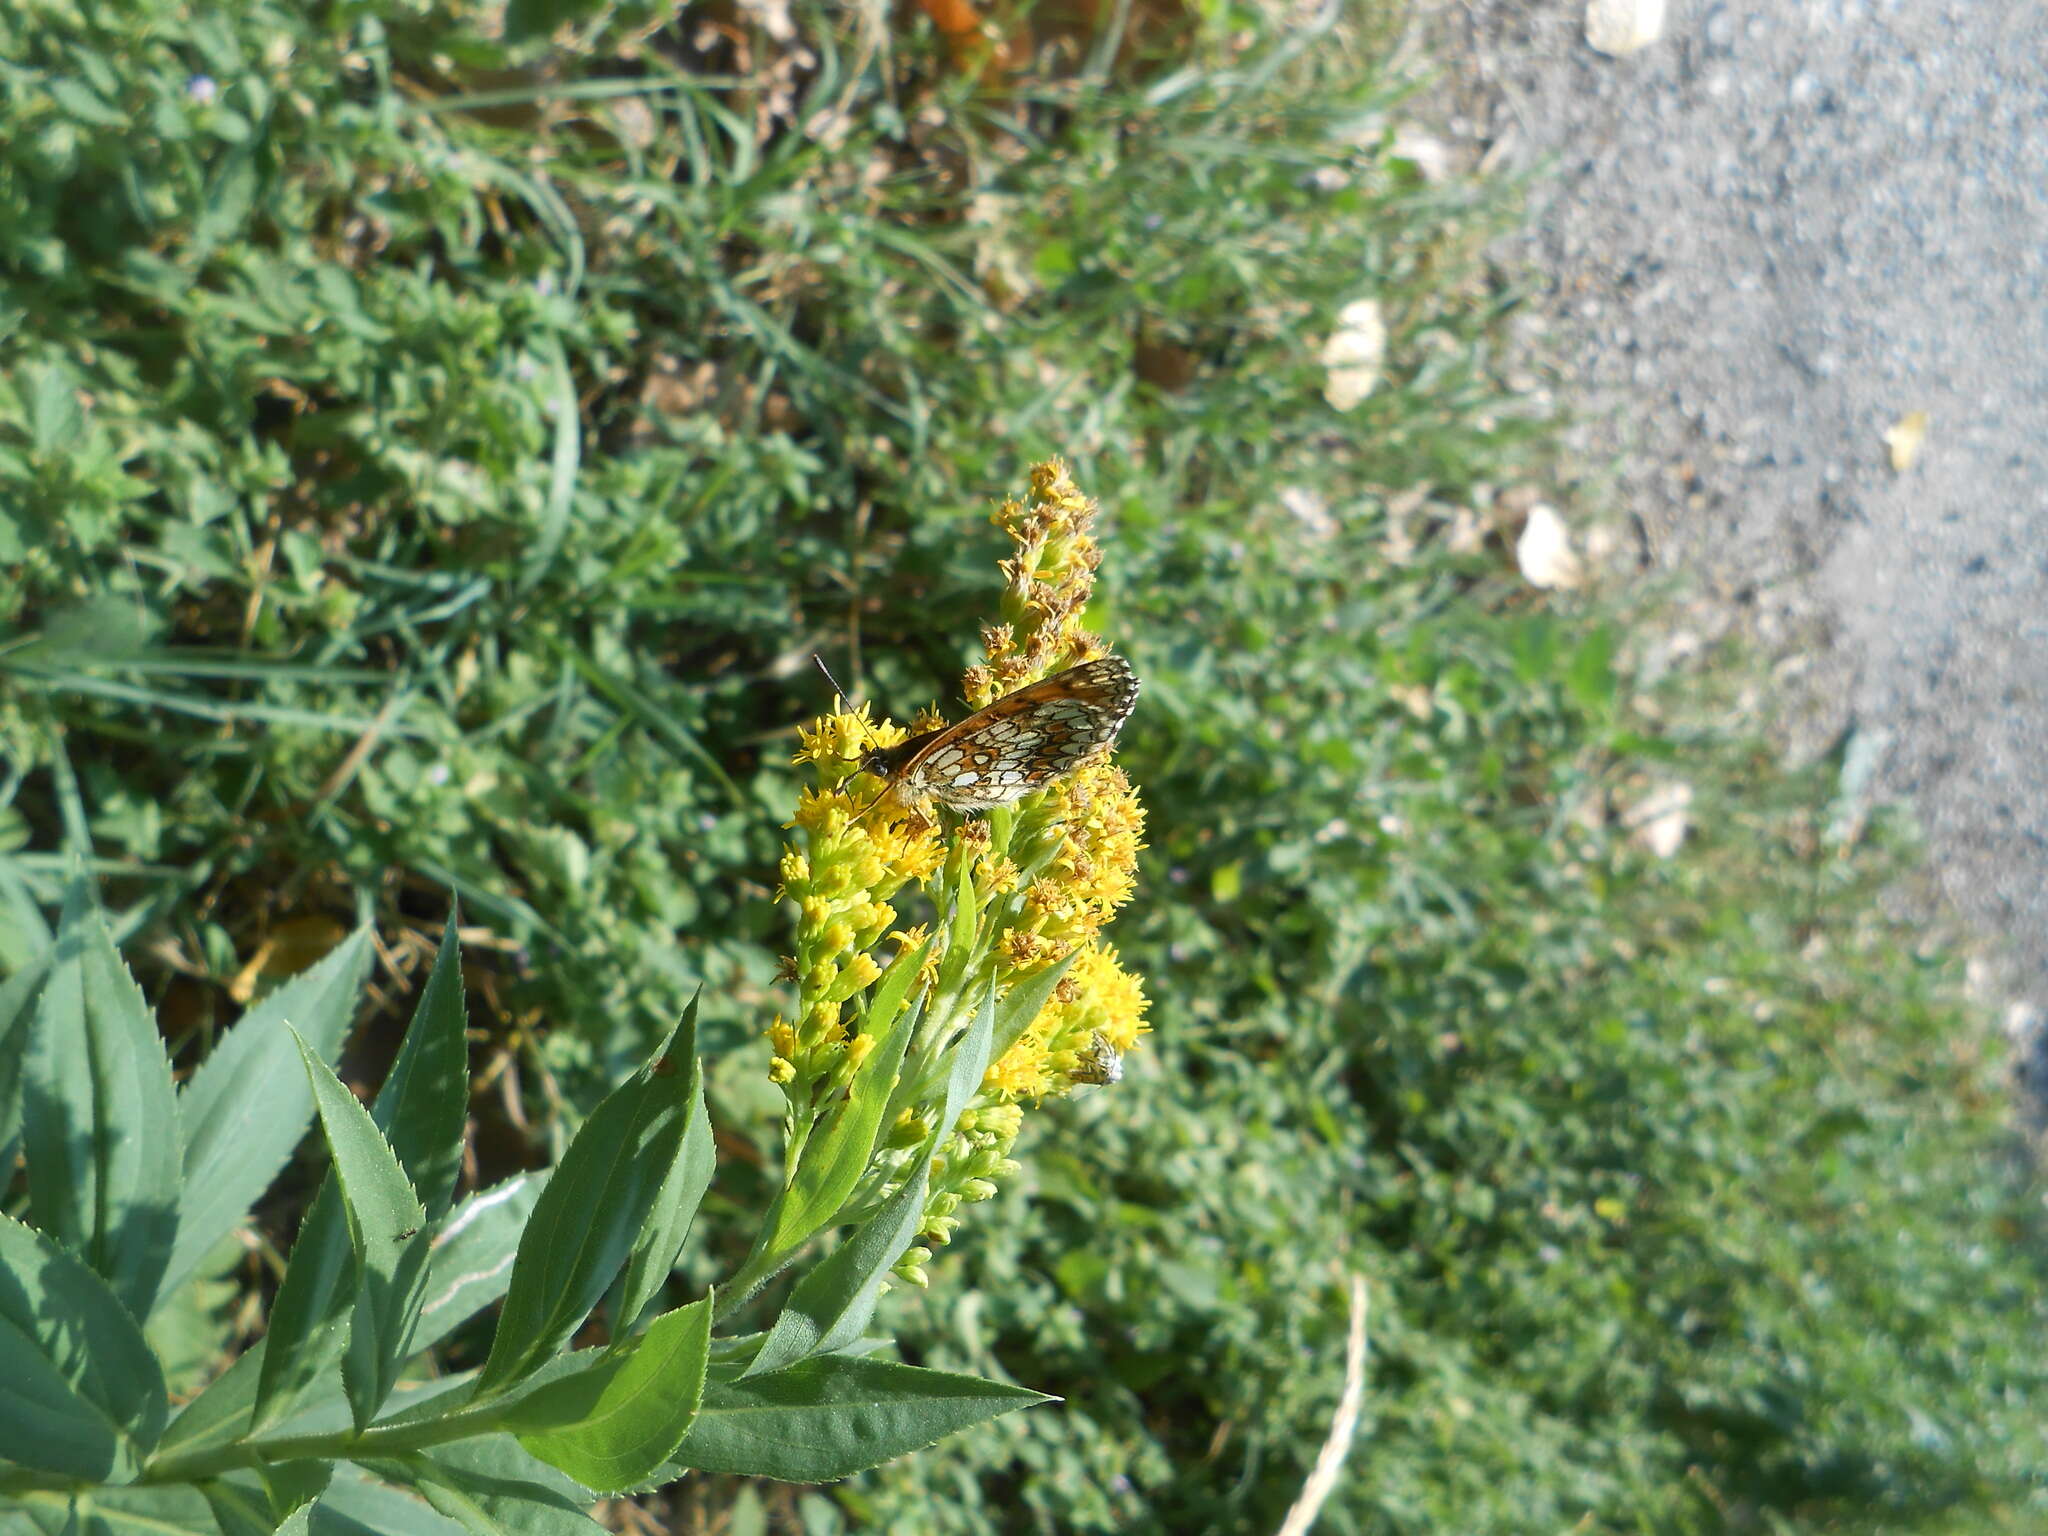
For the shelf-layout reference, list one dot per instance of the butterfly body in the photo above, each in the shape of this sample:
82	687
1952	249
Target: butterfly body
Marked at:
1018	744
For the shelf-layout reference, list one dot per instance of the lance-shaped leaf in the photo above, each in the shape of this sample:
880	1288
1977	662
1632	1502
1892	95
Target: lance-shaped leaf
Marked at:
886	1000
18	999
246	1107
359	1504
423	1103
1025	1001
493	1488
675	1208
144	1510
100	1116
420	1109
832	1305
82	1396
259	1500
309	1319
473	1254
960	930
611	1427
386	1229
832	1416
590	1216
220	1413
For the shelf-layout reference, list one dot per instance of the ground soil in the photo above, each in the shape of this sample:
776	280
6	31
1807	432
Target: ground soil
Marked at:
1759	243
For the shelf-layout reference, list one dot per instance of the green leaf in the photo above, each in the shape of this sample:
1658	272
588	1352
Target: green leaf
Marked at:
423	1103
219	1414
245	1109
675	1208
100	1117
17	1017
359	1505
837	1156
55	420
833	1416
25	938
309	1320
589	1218
970	1058
421	1108
473	1253
960	930
83	1394
255	1501
386	1228
240	1505
494	1488
894	986
531	20
611	1427
1025	1001
1589	677
567	456
831	1306
139	1511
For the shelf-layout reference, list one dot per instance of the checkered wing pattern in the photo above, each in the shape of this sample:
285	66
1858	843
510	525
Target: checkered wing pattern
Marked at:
1021	742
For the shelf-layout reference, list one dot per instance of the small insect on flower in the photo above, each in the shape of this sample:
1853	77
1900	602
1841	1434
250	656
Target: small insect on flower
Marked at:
1020	743
1100	1062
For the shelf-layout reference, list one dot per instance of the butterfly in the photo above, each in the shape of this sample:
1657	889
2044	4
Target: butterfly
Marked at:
1020	743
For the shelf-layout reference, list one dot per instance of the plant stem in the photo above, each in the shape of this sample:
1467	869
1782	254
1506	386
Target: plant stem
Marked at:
346	1445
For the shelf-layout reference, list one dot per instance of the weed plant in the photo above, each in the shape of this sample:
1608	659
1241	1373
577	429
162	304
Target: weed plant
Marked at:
433	442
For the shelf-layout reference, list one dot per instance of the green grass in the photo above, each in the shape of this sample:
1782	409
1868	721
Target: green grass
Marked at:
429	463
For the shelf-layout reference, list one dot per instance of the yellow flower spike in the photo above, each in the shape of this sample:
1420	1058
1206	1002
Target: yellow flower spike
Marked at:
1013	894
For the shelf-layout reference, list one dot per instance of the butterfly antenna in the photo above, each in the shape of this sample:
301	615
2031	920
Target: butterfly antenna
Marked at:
844	697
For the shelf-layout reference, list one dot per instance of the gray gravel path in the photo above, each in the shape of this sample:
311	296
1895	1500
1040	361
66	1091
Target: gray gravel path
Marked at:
1768	237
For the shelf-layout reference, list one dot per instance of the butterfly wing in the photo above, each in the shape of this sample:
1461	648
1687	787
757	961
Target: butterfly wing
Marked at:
1024	740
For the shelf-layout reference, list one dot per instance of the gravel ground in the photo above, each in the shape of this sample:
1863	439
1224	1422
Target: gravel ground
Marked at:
1768	237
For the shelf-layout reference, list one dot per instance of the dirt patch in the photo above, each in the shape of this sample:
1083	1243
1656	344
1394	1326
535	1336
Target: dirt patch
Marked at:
1764	240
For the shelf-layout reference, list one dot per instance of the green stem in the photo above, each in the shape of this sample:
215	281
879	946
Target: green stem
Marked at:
346	1445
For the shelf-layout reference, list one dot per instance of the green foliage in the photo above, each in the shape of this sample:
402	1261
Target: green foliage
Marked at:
1682	1185
427	456
522	1443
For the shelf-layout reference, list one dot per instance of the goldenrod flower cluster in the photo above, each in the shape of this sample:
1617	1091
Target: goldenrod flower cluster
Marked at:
1039	879
841	879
